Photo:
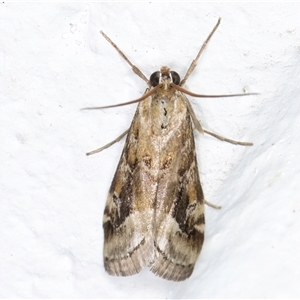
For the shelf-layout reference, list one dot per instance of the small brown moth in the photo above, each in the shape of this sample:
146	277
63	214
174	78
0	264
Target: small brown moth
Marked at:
154	214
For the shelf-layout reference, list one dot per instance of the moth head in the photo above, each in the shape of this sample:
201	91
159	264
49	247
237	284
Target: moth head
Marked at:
165	75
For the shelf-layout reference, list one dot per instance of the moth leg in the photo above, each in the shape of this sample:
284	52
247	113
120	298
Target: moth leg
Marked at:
196	122
194	62
198	126
109	144
135	69
212	205
224	139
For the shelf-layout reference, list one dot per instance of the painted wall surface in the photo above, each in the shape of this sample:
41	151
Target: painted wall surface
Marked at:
54	62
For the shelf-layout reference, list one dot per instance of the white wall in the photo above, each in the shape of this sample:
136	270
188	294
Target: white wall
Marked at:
54	62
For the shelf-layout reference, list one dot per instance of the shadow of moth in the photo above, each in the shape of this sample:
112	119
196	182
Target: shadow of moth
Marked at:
154	214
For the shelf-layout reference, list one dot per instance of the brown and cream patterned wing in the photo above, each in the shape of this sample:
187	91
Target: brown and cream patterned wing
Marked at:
129	211
179	224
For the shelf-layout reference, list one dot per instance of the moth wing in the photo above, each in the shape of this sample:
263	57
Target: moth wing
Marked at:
179	227
128	215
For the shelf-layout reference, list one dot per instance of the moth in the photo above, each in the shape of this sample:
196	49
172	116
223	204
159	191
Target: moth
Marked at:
154	214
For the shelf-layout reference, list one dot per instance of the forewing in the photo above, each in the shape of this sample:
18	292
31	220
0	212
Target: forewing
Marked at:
179	224
129	211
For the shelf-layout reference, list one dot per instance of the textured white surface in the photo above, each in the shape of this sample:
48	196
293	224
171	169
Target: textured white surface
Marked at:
54	62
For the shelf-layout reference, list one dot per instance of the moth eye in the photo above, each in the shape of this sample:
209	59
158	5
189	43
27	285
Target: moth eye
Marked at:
175	77
154	78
